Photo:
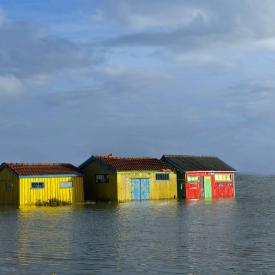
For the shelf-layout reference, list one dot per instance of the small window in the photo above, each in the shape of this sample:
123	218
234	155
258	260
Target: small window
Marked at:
66	184
37	185
9	187
162	176
222	177
193	179
102	178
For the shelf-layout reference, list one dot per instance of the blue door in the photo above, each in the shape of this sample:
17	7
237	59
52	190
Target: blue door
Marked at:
140	189
135	189
144	189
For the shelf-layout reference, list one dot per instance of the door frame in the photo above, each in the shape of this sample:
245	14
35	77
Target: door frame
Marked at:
207	187
140	189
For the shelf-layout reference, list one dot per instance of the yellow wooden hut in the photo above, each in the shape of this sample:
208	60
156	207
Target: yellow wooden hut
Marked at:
121	179
40	184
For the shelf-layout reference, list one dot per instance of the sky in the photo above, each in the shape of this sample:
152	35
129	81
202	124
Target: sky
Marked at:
138	78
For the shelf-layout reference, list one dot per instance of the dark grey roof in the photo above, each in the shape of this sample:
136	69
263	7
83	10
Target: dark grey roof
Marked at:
183	163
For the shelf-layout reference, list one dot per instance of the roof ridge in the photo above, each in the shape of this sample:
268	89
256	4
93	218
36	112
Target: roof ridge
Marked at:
126	158
130	163
197	156
38	163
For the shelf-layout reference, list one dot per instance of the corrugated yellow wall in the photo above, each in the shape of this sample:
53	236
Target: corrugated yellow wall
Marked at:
99	191
11	196
51	190
158	189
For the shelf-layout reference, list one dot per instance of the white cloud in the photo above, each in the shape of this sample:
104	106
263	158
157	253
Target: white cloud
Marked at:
183	16
10	85
190	26
172	63
268	43
140	15
27	49
39	79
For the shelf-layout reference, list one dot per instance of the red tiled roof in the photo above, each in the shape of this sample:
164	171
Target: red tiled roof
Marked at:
138	164
42	168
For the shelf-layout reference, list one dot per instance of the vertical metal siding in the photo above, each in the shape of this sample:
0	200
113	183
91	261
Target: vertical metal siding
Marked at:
193	189
181	185
224	189
12	197
51	190
99	191
158	189
219	189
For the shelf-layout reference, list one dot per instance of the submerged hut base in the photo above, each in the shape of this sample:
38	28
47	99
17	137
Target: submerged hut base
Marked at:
52	202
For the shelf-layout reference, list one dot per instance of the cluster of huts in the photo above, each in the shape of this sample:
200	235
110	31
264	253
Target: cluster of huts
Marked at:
109	178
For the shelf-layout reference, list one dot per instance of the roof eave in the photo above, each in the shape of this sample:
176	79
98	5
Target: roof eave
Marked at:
5	165
49	175
87	162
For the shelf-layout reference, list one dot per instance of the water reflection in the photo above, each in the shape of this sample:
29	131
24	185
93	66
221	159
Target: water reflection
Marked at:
143	237
159	237
41	236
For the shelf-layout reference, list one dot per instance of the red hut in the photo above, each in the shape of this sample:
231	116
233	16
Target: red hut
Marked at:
202	176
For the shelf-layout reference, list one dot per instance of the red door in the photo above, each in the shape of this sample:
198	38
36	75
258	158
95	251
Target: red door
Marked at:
193	190
220	190
223	186
230	190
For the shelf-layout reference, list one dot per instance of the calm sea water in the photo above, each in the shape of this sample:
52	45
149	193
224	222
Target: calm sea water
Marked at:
161	237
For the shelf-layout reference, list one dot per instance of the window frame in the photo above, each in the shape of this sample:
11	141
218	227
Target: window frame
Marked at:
193	179
105	176
66	182
9	186
163	176
223	177
37	182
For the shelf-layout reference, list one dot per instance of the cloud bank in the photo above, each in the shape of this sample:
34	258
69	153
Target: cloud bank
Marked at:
138	78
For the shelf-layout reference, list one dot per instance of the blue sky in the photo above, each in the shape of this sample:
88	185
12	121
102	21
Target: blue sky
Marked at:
138	78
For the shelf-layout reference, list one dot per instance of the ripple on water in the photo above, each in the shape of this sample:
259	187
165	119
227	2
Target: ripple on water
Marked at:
159	237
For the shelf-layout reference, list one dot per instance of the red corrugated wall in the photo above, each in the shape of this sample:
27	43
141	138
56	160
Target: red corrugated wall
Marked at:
220	189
